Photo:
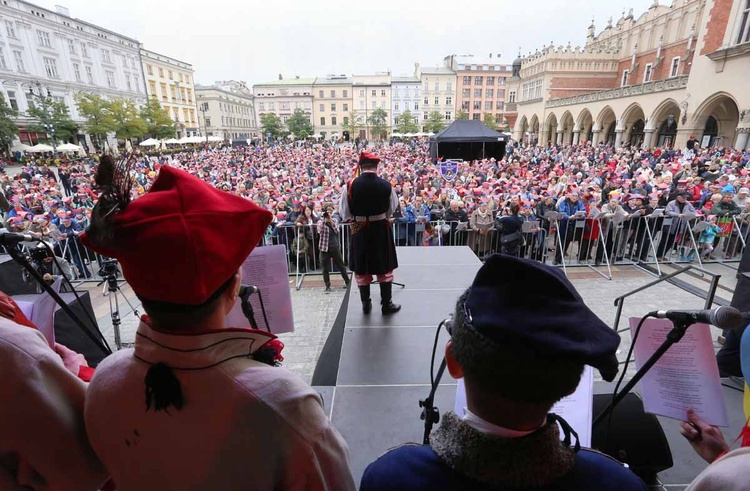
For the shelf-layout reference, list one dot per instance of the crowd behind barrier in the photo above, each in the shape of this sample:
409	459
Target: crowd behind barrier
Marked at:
473	207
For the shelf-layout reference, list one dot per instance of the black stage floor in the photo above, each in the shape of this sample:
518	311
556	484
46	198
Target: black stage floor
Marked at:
384	364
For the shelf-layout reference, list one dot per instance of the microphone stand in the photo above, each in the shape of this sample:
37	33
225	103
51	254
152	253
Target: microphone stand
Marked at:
247	308
674	336
15	254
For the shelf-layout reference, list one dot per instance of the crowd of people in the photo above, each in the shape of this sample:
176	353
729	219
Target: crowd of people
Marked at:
299	182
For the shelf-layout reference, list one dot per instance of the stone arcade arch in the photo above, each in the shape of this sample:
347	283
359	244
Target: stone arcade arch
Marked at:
665	120
606	124
565	128
715	121
633	125
550	130
584	127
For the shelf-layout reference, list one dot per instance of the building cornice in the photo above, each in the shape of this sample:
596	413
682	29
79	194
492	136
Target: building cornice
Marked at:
675	83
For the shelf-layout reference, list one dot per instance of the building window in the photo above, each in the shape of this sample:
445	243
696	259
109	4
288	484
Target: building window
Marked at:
208	121
478	93
374	93
110	78
437	101
361	105
284	106
105	56
426	100
12	101
333	120
426	115
449	86
320	94
490	80
10	28
466	93
362	92
346	107
90	75
152	88
416	105
71	46
333	107
346	119
43	38
467	79
3	63
675	67
84	50
262	106
477	105
29	100
743	35
50	66
77	72
499	106
489	93
18	58
271	106
437	86
161	72
136	87
465	106
478	80
322	121
488	105
333	94
127	82
501	92
448	115
395	106
500	80
647	73
346	94
382	93
475	116
406	105
448	101
181	78
624	80
512	97
125	62
149	69
322	108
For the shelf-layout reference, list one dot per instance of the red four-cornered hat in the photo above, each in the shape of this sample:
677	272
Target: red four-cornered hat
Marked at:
183	239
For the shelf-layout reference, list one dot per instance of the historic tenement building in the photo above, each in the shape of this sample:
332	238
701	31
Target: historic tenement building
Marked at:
673	72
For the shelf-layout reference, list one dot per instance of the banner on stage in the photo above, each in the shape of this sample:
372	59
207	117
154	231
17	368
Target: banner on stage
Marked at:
686	377
577	408
266	268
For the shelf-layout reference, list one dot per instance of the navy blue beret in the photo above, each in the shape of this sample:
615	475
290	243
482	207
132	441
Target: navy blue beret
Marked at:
528	305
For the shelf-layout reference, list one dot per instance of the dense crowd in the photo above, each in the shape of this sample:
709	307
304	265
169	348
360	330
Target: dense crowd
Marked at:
299	181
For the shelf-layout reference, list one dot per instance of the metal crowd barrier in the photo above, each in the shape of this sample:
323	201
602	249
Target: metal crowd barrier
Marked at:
597	243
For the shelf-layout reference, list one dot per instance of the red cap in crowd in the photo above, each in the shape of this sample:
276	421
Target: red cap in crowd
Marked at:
172	242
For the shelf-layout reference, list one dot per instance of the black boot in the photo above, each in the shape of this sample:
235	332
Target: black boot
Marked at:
364	295
387	305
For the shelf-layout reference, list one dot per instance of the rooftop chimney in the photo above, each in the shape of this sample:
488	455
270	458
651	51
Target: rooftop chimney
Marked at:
62	10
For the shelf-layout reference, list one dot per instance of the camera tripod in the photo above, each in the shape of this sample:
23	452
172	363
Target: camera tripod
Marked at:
111	291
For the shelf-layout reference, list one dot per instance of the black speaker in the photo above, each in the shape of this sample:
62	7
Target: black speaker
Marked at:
346	136
632	436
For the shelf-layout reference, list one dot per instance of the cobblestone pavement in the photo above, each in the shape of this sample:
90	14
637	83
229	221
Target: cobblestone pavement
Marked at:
315	310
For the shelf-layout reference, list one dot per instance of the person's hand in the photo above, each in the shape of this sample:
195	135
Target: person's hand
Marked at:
681	215
706	440
47	277
7	309
73	361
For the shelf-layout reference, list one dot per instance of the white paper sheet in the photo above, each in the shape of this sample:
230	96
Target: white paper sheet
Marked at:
266	268
576	409
686	377
41	312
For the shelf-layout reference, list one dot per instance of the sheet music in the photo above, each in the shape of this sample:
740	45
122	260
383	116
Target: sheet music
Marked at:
266	268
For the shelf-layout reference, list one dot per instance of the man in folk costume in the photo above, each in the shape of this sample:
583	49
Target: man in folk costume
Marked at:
217	413
368	203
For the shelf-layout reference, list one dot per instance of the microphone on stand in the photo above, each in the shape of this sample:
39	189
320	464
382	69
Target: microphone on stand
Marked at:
12	238
723	317
247	307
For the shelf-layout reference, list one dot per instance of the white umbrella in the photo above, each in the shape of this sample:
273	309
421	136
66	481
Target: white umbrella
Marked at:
195	139
163	145
20	147
151	142
69	147
215	139
184	140
172	141
41	147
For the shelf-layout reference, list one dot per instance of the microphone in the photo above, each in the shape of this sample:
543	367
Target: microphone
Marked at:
11	238
247	290
723	317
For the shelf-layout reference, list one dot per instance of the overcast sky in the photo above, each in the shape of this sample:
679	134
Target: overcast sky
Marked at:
256	40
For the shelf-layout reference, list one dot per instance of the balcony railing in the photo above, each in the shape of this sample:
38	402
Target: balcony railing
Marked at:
630	90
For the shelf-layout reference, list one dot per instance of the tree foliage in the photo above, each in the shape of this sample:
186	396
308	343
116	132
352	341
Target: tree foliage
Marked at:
271	123
8	127
379	122
460	115
159	123
406	122
489	121
98	114
299	124
126	122
435	123
353	124
52	118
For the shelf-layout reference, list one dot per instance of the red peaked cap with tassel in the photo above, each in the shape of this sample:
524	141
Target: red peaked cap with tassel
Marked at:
183	239
368	158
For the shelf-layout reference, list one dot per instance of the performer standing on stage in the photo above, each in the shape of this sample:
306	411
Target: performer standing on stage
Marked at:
369	203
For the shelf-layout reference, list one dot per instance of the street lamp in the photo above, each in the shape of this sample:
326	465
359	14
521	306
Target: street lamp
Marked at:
44	101
203	109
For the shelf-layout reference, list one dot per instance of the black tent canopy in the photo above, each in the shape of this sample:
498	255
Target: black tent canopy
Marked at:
468	139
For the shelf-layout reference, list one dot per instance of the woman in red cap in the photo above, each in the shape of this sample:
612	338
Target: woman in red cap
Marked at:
217	413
